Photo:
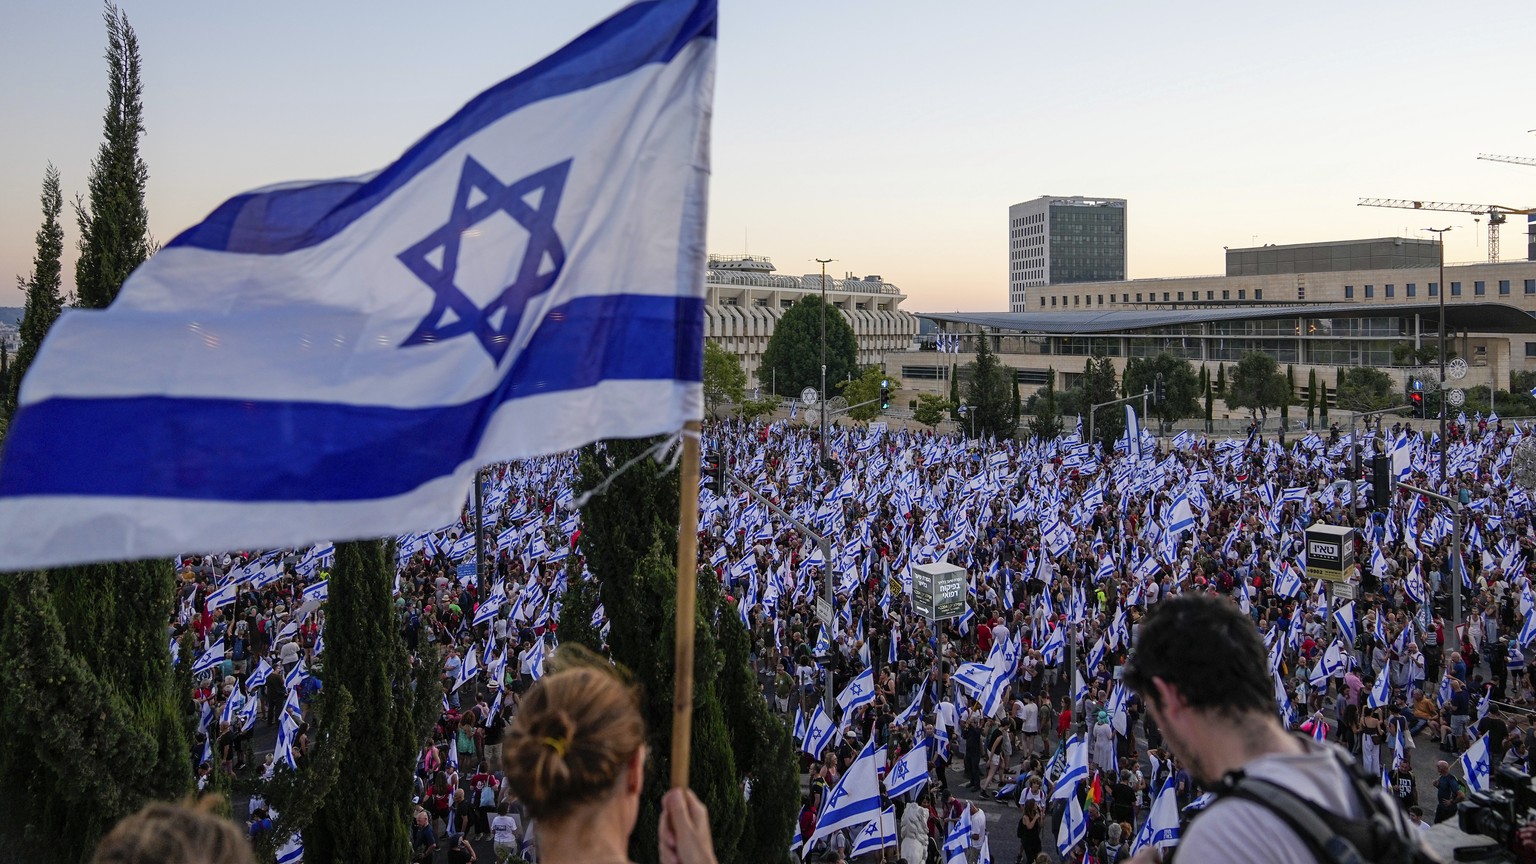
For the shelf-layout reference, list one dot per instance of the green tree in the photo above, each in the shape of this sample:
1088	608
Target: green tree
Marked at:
1365	388
988	393
113	219
1096	385
931	409
794	350
1311	397
1322	403
1257	385
752	409
863	392
1046	423
630	545
1018	406
43	288
724	379
1221	380
1290	396
365	663
1180	384
954	393
108	620
1209	404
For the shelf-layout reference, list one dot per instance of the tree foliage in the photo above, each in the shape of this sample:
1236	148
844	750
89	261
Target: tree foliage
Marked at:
752	409
1094	386
43	289
724	379
1257	385
93	726
931	409
113	218
365	663
793	355
630	544
989	392
1366	388
865	388
1180	384
1046	423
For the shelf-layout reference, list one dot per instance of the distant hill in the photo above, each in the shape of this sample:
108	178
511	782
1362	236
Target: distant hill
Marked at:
10	315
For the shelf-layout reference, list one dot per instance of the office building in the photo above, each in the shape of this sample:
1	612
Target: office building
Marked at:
1058	241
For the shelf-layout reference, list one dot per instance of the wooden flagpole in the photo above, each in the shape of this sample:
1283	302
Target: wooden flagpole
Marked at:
687	586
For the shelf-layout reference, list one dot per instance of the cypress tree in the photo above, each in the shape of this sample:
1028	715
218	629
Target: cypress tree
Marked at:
113	219
1311	397
1221	380
1209	390
367	817
1322	403
106	621
1018	406
45	297
954	394
629	542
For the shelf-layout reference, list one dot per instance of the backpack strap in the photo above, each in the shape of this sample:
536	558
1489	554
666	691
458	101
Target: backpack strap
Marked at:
1296	813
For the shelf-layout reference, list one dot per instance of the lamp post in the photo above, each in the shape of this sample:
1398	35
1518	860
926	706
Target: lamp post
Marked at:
1440	238
824	262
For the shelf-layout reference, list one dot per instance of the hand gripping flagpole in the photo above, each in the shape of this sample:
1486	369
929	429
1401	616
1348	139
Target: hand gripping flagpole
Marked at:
687	584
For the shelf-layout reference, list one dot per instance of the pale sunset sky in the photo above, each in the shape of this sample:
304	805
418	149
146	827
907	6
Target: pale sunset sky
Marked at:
889	135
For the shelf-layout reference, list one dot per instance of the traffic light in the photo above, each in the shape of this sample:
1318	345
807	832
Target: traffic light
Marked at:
1416	399
1382	481
885	393
1159	390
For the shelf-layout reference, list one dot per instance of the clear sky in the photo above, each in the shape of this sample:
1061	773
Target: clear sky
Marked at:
890	135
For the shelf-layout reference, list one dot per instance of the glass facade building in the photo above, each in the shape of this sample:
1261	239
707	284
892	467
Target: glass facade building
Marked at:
1058	241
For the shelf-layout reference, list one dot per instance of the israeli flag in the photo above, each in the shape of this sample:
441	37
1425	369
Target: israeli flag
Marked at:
291	852
1074	828
1344	616
859	692
877	835
1076	769
819	732
209	659
959	838
854	800
336	359
1475	766
1380	691
1162	826
910	773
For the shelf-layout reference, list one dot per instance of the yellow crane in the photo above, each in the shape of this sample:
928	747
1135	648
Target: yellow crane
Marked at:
1496	214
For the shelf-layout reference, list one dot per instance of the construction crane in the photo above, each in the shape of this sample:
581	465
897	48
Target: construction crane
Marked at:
1496	214
1513	160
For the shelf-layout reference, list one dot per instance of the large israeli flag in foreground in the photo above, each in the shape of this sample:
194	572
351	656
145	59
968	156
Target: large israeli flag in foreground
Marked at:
331	360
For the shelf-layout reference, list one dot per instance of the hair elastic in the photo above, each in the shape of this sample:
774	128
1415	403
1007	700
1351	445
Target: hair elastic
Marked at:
558	745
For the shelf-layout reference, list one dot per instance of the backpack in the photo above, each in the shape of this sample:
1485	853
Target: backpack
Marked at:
1383	834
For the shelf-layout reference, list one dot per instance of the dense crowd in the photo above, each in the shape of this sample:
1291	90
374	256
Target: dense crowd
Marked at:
1064	545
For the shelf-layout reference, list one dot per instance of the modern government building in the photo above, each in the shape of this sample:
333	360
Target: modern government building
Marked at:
1314	306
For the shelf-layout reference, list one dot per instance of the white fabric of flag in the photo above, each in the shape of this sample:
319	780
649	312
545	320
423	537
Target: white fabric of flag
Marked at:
1076	770
1344	616
910	772
1475	765
854	800
877	834
819	732
1074	828
859	692
336	359
1380	691
209	658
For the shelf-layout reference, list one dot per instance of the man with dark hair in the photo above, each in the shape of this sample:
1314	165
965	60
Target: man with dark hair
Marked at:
1202	670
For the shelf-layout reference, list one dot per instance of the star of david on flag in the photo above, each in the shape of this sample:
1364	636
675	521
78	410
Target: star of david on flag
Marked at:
329	360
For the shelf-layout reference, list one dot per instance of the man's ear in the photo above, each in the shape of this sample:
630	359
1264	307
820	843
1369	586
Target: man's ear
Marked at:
636	775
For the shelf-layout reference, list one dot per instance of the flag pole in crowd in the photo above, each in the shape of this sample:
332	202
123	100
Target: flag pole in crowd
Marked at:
687	579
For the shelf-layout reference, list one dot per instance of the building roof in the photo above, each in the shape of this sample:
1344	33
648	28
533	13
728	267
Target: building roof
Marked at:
1473	317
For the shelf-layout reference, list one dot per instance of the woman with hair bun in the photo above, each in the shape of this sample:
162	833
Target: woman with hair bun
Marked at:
575	756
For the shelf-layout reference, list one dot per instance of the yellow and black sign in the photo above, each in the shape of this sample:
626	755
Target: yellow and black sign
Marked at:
1330	552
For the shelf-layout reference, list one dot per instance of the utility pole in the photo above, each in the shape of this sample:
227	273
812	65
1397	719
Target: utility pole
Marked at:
1440	237
1457	567
826	555
824	262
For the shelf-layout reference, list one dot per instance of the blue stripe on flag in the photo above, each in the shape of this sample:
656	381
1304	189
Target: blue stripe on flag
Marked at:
288	219
247	450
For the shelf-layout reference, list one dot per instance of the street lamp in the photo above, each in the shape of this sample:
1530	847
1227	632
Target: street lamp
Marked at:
1440	238
824	262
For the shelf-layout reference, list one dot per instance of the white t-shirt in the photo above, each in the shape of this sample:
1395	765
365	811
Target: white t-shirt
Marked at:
1029	718
504	829
1235	831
